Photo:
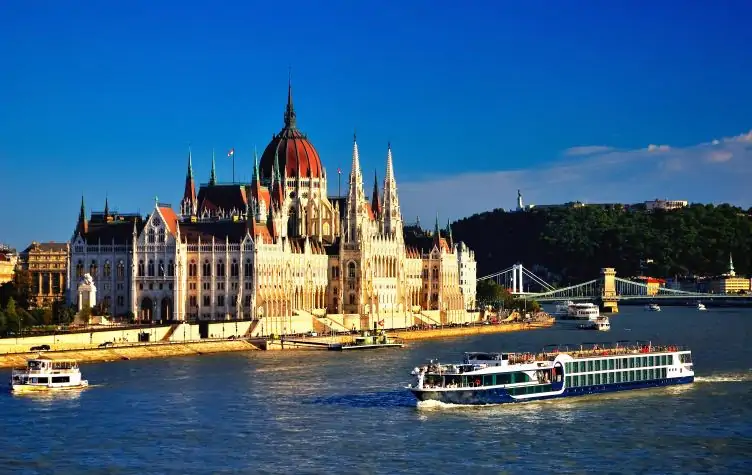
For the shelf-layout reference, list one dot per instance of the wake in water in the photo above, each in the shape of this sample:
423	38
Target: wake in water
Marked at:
379	399
741	377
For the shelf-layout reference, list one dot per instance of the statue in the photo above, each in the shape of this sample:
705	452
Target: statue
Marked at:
87	292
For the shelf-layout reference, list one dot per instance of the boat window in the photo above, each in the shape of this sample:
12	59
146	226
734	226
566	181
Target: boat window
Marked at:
611	363
685	357
41	380
61	379
597	365
650	361
488	380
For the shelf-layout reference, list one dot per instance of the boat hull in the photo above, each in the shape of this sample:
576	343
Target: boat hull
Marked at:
34	388
364	347
501	396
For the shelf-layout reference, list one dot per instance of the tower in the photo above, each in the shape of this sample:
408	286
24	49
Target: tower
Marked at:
520	207
189	204
356	200
392	217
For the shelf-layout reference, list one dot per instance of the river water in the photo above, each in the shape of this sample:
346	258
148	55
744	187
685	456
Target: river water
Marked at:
329	412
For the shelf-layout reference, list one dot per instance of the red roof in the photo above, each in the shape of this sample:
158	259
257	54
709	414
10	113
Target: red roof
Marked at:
296	156
170	218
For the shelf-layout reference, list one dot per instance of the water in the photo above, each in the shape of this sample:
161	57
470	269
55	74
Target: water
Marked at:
317	412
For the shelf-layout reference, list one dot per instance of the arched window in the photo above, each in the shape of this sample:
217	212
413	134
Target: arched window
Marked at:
220	268
352	299
207	268
234	268
80	269
150	238
107	269
106	304
171	268
192	268
141	268
161	235
351	270
161	269
248	271
121	270
150	268
435	272
93	268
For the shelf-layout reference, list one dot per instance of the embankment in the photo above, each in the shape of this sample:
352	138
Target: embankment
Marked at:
120	353
470	330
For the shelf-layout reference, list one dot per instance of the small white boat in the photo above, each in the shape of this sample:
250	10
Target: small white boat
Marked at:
583	311
701	306
47	374
602	324
653	307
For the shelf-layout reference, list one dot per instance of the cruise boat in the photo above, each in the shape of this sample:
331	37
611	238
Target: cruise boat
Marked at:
367	341
562	309
582	311
47	374
496	378
701	307
601	324
653	307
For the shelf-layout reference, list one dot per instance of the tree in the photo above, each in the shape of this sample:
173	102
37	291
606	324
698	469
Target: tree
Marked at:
84	315
11	314
22	288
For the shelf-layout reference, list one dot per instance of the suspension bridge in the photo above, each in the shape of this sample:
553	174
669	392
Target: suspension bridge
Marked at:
607	288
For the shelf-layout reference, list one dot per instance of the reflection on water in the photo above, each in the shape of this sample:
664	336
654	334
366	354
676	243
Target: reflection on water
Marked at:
317	412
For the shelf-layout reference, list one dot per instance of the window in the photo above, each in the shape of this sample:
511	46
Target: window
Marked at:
93	268
80	269
161	268
150	268
248	286
248	271
234	301
207	268
247	300
351	270
192	269
220	286
150	237
120	270
107	269
234	268
220	300
120	300
220	268
192	301
207	300
161	235
352	299
141	268
171	268
106	303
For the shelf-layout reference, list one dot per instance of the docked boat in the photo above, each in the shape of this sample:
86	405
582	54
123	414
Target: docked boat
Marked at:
653	307
562	309
47	374
601	324
367	341
496	378
582	311
701	307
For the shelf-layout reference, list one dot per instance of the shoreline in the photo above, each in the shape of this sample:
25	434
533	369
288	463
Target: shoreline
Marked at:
197	348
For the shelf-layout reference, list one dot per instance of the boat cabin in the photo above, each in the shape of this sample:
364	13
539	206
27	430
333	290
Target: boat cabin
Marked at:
488	359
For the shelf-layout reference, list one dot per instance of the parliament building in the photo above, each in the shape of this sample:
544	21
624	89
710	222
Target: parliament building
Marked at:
275	249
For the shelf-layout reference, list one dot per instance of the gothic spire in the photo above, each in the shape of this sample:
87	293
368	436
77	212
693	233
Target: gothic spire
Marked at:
356	201
213	176
390	201
256	177
436	230
290	118
375	201
83	225
448	233
188	205
106	206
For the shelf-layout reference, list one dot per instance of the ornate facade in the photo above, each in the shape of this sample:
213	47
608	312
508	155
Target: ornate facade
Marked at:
47	263
277	247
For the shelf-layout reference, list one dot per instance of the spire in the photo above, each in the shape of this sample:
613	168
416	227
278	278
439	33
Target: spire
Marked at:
83	226
732	272
256	177
106	206
390	203
213	176
290	118
375	202
356	200
436	230
189	203
448	233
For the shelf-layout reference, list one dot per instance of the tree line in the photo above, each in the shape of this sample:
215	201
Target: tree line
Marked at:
569	245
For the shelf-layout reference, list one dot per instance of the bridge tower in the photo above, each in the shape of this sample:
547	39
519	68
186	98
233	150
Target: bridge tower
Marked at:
608	294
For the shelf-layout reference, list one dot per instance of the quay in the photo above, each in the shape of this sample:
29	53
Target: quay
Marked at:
15	354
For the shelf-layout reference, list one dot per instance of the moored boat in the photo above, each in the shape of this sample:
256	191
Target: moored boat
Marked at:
47	374
581	311
653	307
496	378
701	307
601	324
366	341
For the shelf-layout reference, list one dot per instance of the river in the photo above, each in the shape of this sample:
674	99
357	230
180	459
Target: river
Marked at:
319	412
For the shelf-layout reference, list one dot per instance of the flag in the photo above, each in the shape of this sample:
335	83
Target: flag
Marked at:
339	170
231	152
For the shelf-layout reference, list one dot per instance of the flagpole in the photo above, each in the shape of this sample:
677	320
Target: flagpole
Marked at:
339	183
233	165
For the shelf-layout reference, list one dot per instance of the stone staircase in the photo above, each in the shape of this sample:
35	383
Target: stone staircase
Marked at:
252	328
170	332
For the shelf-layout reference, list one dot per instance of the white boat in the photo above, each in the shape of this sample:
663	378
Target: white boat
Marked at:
583	311
653	307
601	324
47	374
495	378
562	308
701	306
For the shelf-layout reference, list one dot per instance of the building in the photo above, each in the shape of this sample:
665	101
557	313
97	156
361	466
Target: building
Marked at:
666	205
653	284
8	261
730	283
47	264
277	248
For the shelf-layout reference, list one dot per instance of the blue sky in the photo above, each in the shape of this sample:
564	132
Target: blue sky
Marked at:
103	98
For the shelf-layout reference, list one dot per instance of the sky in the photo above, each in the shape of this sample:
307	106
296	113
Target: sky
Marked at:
619	101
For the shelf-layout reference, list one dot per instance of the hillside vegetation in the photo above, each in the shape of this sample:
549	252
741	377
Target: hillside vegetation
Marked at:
571	245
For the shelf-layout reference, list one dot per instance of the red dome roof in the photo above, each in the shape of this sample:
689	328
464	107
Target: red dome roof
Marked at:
295	153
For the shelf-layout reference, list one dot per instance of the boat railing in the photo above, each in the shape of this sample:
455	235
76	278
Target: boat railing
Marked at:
42	371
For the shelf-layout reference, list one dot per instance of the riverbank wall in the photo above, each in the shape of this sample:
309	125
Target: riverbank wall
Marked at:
470	330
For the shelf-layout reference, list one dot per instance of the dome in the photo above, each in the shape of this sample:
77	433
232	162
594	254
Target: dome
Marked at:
292	148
